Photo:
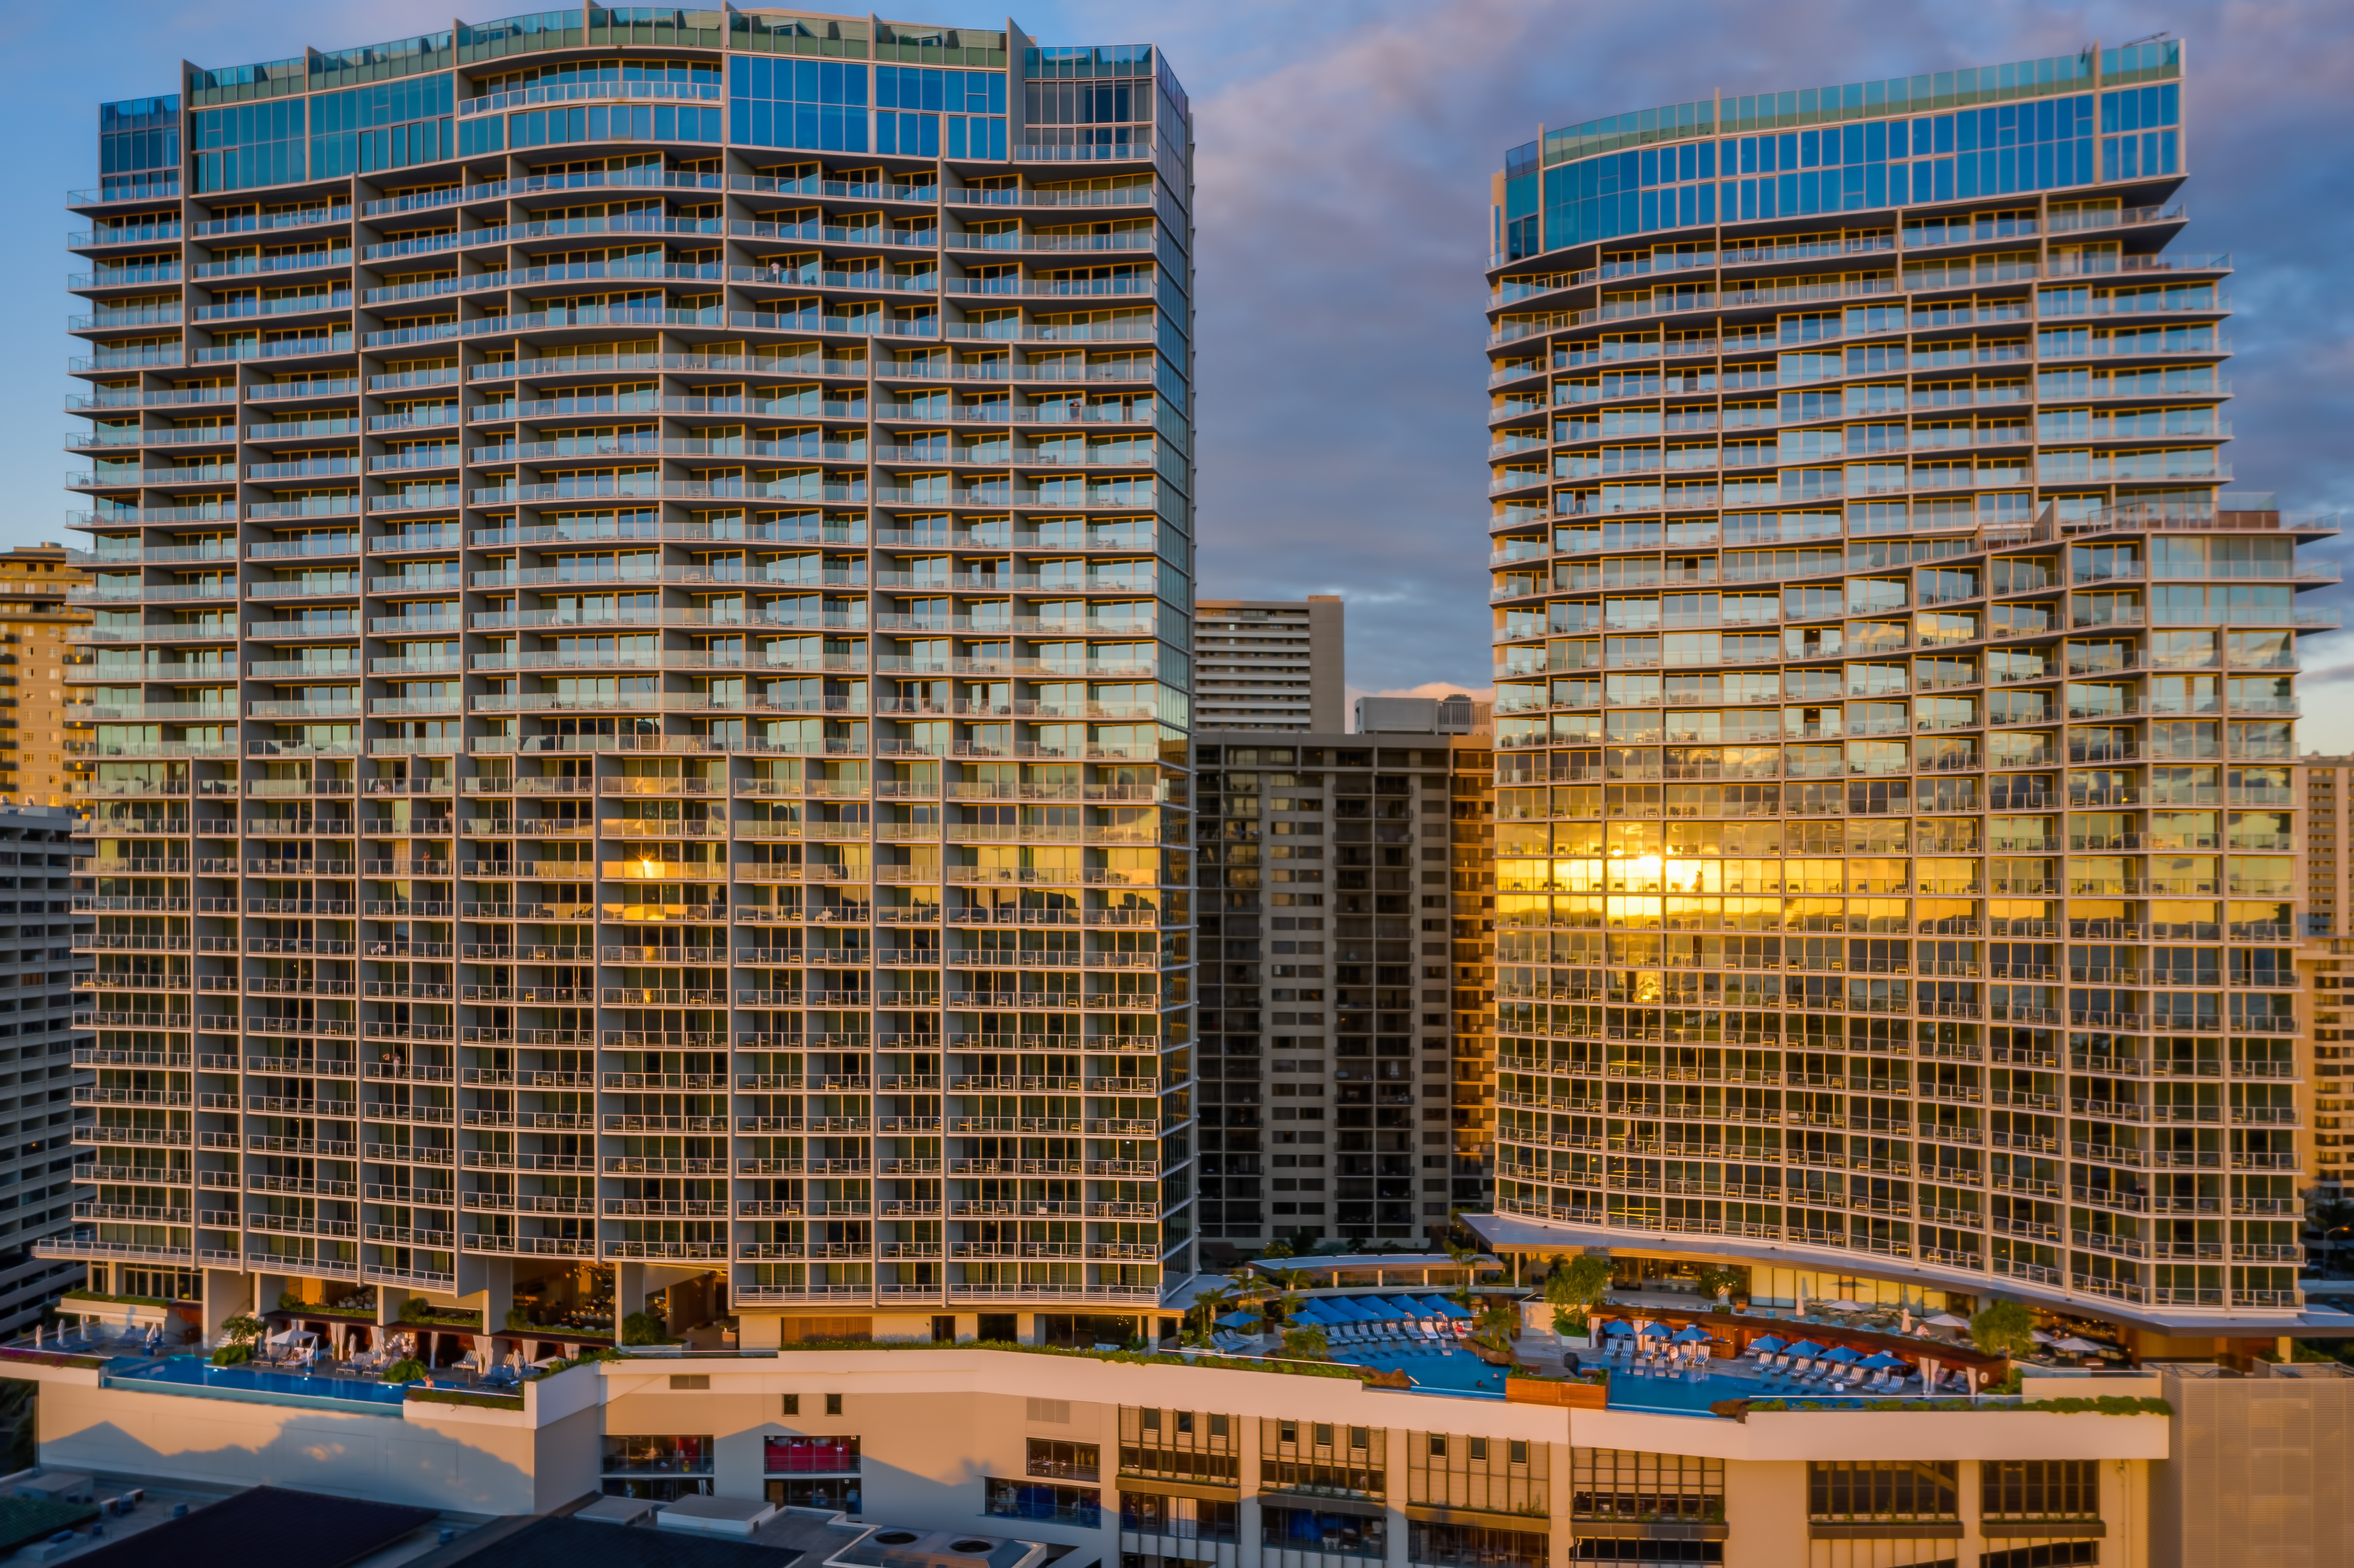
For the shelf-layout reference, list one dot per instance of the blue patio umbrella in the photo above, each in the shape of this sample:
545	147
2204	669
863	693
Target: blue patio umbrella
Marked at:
1839	1353
1806	1348
1450	1309
1652	1331
1237	1320
1881	1361
1691	1334
1614	1327
1767	1345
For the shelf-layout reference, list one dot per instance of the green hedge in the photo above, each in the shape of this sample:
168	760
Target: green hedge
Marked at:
1132	1358
466	1396
2107	1404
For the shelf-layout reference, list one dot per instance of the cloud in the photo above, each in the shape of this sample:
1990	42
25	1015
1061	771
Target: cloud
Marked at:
1345	150
1433	689
1344	182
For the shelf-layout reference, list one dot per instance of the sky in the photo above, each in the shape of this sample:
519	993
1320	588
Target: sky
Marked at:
1345	149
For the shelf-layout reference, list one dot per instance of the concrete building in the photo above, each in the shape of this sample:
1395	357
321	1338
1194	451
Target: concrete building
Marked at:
45	1084
1345	1072
1167	1463
44	619
643	648
1897	848
1458	713
2326	789
1270	664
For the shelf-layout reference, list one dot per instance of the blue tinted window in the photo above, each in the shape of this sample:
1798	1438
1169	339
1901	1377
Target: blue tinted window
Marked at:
248	145
618	122
815	104
386	125
139	133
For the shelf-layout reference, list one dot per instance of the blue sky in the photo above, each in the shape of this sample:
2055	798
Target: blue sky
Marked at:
1345	148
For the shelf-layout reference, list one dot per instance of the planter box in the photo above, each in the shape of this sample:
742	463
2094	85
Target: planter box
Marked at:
1544	1391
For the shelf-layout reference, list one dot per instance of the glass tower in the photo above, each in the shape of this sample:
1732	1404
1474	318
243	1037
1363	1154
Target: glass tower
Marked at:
1894	714
641	671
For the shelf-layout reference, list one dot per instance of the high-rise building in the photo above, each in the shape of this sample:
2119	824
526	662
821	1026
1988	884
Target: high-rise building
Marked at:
1896	879
2326	789
1345	1069
1271	664
642	671
40	610
42	942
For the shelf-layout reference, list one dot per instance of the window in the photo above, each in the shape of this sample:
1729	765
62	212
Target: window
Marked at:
1287	1462
1188	1519
837	1494
1062	1460
1883	1488
2040	1489
690	1380
1178	1444
2050	1555
1474	1546
1446	1471
658	1467
1038	1501
1617	1483
1310	1529
658	1456
798	1455
792	1405
833	1404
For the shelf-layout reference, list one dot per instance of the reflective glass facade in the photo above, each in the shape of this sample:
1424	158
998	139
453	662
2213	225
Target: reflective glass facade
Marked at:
640	675
1894	710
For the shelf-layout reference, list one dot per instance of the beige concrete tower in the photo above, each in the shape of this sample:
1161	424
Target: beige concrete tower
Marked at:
1896	825
642	674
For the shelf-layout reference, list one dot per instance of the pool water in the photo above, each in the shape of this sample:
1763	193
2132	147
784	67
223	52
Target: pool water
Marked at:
197	1372
1457	1372
1673	1397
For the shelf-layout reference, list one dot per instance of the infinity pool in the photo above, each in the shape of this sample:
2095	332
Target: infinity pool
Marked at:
195	1371
1458	1371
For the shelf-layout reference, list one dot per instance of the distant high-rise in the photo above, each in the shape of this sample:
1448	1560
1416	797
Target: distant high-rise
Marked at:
1346	1069
44	943
1896	827
40	615
642	665
1270	664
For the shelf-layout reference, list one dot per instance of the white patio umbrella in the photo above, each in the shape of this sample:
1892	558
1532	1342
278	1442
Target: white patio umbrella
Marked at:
1842	1306
1947	1320
2075	1346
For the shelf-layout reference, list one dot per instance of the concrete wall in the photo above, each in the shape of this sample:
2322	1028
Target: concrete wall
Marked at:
435	1461
2258	1473
934	1425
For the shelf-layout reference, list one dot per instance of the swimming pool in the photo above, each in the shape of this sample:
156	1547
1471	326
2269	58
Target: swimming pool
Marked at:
1672	1395
1457	1372
194	1374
